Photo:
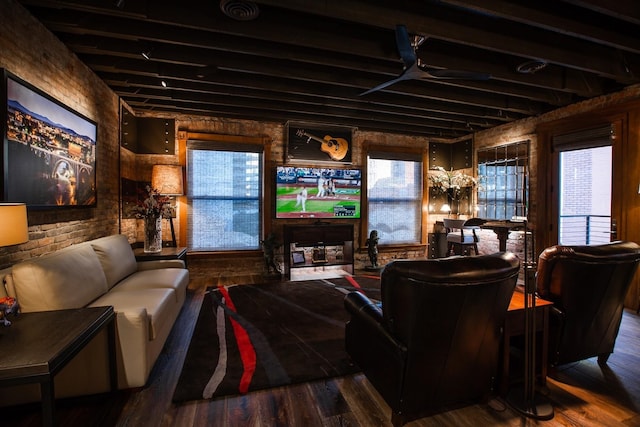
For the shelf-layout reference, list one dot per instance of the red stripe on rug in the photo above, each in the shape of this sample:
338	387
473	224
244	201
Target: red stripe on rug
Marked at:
247	351
353	282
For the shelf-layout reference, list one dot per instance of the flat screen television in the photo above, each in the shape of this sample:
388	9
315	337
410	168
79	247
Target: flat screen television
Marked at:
307	192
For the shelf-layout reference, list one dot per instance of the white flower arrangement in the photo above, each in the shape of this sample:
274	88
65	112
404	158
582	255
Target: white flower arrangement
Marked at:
451	182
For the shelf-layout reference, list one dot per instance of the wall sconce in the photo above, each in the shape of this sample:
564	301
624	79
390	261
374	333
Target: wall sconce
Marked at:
167	180
14	228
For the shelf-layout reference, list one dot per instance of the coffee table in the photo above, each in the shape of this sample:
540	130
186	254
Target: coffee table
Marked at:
38	345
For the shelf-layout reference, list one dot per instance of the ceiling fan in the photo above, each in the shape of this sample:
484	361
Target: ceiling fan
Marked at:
414	70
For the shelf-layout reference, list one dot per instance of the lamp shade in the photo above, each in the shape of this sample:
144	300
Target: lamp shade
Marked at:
167	179
14	228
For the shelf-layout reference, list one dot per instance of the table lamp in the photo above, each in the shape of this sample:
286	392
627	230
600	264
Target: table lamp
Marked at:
14	228
167	180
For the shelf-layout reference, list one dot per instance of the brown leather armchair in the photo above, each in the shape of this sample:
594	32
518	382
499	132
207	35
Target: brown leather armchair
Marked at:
587	285
435	342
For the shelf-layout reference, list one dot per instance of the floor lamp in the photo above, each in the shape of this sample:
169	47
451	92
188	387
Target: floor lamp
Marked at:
167	180
526	400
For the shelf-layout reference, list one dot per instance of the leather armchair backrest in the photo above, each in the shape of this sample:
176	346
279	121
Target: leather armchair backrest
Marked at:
588	284
448	313
559	265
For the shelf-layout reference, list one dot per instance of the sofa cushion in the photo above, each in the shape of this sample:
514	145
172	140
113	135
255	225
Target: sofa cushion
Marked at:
116	256
163	278
69	278
159	303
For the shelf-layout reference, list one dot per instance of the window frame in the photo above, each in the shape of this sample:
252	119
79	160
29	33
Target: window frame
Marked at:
394	151
264	144
505	162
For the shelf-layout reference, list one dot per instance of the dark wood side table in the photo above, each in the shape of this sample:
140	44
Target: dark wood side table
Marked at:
514	326
38	345
166	253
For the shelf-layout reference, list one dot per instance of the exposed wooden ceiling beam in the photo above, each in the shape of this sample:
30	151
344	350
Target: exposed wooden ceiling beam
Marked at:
311	61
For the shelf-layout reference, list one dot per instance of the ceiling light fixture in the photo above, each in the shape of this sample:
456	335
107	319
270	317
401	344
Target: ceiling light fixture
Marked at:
531	67
163	83
146	55
240	10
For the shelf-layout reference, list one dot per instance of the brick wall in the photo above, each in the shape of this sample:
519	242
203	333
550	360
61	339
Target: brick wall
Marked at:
138	167
32	53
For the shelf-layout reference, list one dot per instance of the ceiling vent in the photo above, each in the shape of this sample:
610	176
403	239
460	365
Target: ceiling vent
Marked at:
531	67
240	10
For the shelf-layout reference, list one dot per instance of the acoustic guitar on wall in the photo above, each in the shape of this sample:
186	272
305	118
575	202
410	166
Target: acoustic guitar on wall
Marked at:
336	148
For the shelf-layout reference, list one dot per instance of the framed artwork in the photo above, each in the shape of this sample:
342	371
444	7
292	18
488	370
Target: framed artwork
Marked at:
312	142
298	257
49	150
319	255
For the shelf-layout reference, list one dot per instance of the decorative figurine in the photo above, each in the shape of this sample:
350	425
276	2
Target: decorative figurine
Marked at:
269	245
8	305
372	246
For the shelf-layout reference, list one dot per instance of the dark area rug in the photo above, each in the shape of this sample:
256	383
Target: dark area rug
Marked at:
252	337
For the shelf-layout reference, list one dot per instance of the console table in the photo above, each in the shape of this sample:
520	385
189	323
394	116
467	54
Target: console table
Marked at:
166	253
502	230
38	345
438	241
318	245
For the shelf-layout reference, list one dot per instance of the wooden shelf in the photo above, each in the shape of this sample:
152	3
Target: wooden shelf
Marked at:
320	246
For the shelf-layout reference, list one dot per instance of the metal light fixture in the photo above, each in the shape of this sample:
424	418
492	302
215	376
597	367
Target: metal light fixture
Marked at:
167	180
446	208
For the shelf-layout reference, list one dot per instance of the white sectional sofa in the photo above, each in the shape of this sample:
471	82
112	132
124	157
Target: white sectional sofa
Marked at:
147	298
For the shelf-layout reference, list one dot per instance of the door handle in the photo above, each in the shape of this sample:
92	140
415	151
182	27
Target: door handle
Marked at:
614	229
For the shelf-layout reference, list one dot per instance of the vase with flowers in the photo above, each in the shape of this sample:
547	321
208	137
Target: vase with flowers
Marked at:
454	184
152	209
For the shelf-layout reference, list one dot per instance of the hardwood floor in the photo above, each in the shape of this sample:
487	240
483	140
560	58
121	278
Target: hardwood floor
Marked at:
582	394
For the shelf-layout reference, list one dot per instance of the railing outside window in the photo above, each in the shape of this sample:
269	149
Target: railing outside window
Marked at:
585	229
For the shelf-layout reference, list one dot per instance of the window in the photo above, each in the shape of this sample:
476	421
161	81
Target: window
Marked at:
224	195
502	176
394	195
585	178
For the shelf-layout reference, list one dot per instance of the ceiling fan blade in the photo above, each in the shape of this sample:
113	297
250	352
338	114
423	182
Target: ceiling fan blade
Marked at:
456	74
406	50
401	77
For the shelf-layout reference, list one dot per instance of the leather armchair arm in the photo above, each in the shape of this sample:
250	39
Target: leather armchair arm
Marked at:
359	305
367	315
557	320
381	357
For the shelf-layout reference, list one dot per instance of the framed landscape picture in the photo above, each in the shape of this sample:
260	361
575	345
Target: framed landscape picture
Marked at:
49	150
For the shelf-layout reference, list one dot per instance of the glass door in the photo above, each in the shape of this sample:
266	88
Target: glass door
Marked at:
585	196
